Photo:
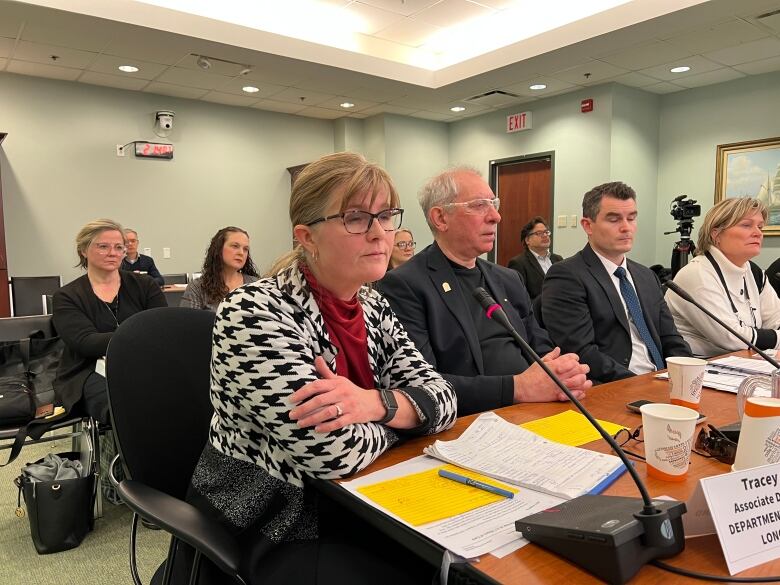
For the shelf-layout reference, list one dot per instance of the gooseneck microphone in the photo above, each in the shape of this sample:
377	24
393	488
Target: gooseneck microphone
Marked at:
603	534
676	289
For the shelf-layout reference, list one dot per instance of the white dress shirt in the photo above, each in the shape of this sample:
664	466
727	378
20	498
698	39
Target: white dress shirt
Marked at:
544	261
641	362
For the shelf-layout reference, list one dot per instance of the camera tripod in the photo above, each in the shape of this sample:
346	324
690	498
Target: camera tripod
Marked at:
683	247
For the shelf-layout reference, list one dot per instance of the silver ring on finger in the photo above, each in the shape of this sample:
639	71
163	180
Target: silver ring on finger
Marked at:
339	412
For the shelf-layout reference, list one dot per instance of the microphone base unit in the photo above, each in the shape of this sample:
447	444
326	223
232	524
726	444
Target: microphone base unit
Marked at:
608	535
731	431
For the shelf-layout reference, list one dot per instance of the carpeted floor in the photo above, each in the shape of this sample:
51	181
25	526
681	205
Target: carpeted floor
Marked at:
102	557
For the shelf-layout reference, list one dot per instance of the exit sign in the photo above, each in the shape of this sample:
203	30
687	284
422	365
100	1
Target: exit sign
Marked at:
153	150
518	122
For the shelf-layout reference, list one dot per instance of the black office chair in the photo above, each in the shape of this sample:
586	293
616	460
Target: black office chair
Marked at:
173	297
161	415
175	278
26	293
537	306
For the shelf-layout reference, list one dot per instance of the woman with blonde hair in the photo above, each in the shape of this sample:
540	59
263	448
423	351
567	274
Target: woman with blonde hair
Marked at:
87	311
724	280
312	376
403	248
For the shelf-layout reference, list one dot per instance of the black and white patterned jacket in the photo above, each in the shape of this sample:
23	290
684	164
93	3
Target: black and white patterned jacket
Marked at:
266	337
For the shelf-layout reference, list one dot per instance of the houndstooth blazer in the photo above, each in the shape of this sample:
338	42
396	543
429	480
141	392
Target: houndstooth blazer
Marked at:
266	337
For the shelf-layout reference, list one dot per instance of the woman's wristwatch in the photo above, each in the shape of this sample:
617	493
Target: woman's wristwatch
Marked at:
390	403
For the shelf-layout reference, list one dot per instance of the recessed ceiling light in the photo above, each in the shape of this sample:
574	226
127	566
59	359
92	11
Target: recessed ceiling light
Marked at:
537	86
681	69
457	109
128	68
250	89
347	105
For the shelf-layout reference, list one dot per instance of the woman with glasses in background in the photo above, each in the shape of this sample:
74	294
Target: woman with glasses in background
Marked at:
227	266
312	376
87	311
536	259
403	248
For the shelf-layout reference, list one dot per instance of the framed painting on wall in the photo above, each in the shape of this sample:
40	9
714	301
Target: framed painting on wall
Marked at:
751	169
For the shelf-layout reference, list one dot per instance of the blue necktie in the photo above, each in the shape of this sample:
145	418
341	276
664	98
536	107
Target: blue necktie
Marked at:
635	310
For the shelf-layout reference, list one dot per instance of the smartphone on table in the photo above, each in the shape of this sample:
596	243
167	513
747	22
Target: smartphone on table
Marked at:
635	406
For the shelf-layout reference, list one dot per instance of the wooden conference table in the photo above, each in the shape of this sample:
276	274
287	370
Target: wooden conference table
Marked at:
532	564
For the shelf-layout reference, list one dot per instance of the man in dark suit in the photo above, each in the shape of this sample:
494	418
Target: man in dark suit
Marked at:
608	309
432	296
536	260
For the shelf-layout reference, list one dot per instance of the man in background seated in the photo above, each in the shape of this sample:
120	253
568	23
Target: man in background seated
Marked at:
432	296
536	260
608	309
135	262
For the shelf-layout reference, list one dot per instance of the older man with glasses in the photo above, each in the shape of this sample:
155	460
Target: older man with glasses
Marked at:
537	259
432	296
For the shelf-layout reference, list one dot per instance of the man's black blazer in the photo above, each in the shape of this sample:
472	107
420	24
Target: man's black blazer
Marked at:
583	313
530	270
426	296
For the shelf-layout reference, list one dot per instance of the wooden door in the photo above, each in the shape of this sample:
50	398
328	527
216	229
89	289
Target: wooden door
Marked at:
525	188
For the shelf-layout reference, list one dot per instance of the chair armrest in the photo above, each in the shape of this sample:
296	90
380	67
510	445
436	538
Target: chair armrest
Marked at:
183	521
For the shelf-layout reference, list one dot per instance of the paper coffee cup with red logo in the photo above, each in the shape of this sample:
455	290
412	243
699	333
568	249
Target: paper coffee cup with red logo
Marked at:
668	435
759	437
686	375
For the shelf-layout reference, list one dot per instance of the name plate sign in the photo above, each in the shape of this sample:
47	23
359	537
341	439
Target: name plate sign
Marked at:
745	511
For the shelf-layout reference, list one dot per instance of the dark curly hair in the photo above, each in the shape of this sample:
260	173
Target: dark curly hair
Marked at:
214	288
528	228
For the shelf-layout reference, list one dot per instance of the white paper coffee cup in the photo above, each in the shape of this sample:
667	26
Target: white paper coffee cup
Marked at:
668	434
686	375
759	437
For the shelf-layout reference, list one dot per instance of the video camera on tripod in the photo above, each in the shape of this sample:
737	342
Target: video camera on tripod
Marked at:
683	210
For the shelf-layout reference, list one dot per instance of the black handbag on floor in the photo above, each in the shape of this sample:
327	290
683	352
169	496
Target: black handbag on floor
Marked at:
60	510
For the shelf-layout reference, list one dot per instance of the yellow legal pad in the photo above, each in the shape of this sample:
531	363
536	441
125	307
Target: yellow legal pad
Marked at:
569	428
425	497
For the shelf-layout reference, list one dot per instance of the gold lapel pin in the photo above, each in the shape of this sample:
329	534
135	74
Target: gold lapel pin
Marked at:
446	286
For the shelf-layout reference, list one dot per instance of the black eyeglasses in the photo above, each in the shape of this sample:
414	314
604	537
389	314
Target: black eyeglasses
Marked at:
623	436
715	444
359	222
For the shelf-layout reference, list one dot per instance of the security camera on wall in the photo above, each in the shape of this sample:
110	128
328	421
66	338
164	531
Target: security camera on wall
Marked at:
163	122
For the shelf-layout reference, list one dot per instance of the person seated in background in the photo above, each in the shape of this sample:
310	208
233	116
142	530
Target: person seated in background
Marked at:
722	278
403	248
227	266
432	295
773	274
87	311
140	263
313	376
536	260
608	309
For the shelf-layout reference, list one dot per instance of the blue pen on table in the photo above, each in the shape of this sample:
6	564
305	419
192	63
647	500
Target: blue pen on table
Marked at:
474	483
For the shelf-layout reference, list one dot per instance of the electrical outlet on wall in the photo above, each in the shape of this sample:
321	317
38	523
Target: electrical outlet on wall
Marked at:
120	150
573	221
147	252
562	219
166	252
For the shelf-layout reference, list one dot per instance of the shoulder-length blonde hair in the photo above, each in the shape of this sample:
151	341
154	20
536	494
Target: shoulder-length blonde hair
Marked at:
722	216
347	173
90	232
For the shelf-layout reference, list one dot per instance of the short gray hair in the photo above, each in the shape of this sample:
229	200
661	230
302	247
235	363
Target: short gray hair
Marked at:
441	190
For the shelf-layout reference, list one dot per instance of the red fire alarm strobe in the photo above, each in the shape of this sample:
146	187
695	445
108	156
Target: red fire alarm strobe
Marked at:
586	105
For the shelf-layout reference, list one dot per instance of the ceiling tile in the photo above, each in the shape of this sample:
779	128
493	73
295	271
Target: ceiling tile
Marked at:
746	52
372	19
109	63
65	29
497	4
235	86
389	109
724	34
118	81
596	71
41	70
13	15
217	66
323	113
229	99
710	78
404	7
408	31
635	80
2	63
335	104
433	116
150	45
644	55
448	13
377	93
174	90
759	67
772	22
191	78
38	53
663	87
334	81
5	46
283	107
553	85
697	64
310	98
